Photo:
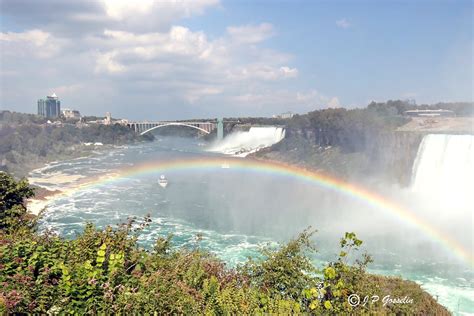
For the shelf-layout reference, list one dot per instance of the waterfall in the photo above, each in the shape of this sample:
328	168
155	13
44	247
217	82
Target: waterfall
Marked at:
243	143
444	169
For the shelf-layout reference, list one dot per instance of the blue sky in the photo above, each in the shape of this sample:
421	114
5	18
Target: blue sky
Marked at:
211	58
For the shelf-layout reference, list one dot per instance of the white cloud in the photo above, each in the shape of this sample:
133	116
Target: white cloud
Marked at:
333	103
178	41
251	34
31	43
126	9
194	95
66	90
120	9
288	72
343	23
106	63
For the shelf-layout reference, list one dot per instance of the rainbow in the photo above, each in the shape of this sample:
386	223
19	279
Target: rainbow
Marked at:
325	181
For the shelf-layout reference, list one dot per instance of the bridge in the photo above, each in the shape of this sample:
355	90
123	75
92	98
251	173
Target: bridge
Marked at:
205	127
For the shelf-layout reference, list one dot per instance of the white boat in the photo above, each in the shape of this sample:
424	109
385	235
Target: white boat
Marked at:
225	166
163	182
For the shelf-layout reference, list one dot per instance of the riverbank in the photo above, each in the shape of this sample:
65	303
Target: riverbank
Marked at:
50	186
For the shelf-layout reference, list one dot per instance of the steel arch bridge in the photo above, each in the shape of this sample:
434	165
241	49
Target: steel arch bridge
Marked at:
144	127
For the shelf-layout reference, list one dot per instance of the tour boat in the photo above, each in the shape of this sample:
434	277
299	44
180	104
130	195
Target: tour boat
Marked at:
163	182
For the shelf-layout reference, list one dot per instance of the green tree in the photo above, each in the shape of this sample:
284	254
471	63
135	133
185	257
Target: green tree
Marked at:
12	196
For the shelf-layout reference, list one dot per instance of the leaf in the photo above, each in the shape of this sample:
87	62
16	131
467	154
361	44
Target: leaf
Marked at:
327	305
330	273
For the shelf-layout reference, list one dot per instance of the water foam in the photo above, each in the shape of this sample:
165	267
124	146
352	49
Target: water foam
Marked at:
444	170
243	143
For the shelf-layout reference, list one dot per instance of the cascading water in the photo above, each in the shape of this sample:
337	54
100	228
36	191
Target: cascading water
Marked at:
443	187
243	143
444	169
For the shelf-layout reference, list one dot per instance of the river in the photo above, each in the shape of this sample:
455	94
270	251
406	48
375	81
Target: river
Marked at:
238	211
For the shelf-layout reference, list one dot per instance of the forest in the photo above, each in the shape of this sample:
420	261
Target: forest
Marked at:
27	141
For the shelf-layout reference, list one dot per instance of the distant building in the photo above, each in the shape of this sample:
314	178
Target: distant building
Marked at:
429	113
49	107
286	115
71	114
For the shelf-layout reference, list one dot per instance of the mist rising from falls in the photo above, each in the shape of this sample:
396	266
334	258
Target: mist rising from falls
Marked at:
242	143
444	170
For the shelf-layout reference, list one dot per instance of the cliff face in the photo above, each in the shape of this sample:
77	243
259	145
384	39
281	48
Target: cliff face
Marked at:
394	155
388	156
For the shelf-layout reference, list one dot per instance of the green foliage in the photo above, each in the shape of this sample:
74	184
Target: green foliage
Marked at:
106	272
12	196
27	140
285	271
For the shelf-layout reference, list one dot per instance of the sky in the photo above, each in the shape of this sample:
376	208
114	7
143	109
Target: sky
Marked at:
161	60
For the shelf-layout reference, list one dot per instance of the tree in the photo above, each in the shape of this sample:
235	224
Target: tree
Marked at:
12	196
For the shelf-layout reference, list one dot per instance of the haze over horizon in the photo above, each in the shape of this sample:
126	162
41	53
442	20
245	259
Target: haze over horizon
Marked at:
210	58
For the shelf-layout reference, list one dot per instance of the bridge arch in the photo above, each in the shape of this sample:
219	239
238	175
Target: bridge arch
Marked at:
175	124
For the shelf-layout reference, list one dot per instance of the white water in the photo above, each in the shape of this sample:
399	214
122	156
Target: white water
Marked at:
443	182
444	170
243	143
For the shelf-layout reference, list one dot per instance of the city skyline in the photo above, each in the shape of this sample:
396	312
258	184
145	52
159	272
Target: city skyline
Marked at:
211	58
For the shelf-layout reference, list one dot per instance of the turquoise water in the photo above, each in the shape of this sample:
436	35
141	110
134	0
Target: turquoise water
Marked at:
237	212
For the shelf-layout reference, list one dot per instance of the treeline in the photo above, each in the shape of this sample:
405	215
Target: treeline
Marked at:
15	118
351	130
105	271
354	142
27	140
